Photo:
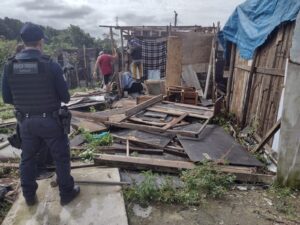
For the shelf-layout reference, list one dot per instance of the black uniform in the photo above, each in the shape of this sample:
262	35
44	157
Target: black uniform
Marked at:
35	86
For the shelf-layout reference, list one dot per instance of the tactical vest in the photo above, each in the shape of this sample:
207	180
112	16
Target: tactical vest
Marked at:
32	85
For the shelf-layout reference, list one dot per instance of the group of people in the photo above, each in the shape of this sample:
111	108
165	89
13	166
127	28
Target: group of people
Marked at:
128	81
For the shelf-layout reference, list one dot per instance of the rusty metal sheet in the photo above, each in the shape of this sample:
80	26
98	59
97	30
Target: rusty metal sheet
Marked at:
215	144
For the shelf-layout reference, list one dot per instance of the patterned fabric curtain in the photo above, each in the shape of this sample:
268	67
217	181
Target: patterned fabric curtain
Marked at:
154	55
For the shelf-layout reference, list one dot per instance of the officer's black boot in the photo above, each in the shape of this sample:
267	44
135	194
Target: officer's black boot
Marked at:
70	197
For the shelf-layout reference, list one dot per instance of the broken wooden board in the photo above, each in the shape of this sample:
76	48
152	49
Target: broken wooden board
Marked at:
87	125
143	105
122	148
152	129
244	174
215	144
85	105
178	109
151	139
139	163
90	116
175	121
94	205
268	136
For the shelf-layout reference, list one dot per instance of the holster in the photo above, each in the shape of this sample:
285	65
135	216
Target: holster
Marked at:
64	116
15	139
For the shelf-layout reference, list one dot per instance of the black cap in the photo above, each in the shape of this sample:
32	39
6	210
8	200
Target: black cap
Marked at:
31	32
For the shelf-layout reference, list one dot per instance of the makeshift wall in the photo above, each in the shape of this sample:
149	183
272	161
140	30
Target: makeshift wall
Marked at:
196	48
267	82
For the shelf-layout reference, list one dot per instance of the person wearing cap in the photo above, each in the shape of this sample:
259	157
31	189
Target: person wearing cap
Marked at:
34	84
105	64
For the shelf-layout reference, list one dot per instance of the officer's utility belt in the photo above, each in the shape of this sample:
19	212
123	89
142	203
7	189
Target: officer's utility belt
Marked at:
63	117
20	115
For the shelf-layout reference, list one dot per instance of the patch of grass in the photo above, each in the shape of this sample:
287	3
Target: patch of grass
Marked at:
7	114
144	193
5	130
199	184
93	141
224	119
9	172
283	201
4	208
93	109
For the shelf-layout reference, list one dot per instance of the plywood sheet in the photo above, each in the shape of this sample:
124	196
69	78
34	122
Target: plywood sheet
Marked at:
215	144
173	68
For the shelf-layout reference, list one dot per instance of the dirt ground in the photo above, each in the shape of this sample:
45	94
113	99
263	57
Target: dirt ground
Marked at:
256	207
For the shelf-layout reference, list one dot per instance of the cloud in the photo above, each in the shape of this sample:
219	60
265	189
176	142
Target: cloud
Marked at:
134	19
88	14
57	9
71	13
37	5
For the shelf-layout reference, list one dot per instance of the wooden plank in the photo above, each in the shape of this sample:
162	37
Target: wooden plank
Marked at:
143	98
139	163
189	106
270	134
208	76
87	125
151	129
143	105
171	166
231	70
135	119
268	150
122	149
177	112
248	90
89	116
174	121
203	126
262	70
173	67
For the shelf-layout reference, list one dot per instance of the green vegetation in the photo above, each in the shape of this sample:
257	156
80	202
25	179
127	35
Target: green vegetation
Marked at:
93	109
198	184
283	200
6	114
93	141
4	208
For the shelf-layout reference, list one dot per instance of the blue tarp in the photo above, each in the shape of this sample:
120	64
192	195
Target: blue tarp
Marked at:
251	23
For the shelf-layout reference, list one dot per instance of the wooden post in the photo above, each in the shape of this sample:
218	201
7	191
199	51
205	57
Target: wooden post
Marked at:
111	39
248	90
122	48
85	65
214	97
231	71
208	76
174	55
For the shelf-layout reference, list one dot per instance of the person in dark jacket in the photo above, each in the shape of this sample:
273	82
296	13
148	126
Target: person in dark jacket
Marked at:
35	86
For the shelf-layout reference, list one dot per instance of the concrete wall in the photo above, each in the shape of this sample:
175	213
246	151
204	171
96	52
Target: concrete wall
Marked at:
289	145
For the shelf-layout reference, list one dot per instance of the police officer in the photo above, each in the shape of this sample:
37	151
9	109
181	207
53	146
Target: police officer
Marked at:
35	86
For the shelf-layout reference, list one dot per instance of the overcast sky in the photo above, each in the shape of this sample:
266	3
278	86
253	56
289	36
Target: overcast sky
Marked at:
88	14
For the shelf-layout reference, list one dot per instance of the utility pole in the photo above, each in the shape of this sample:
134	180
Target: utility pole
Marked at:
117	21
175	22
